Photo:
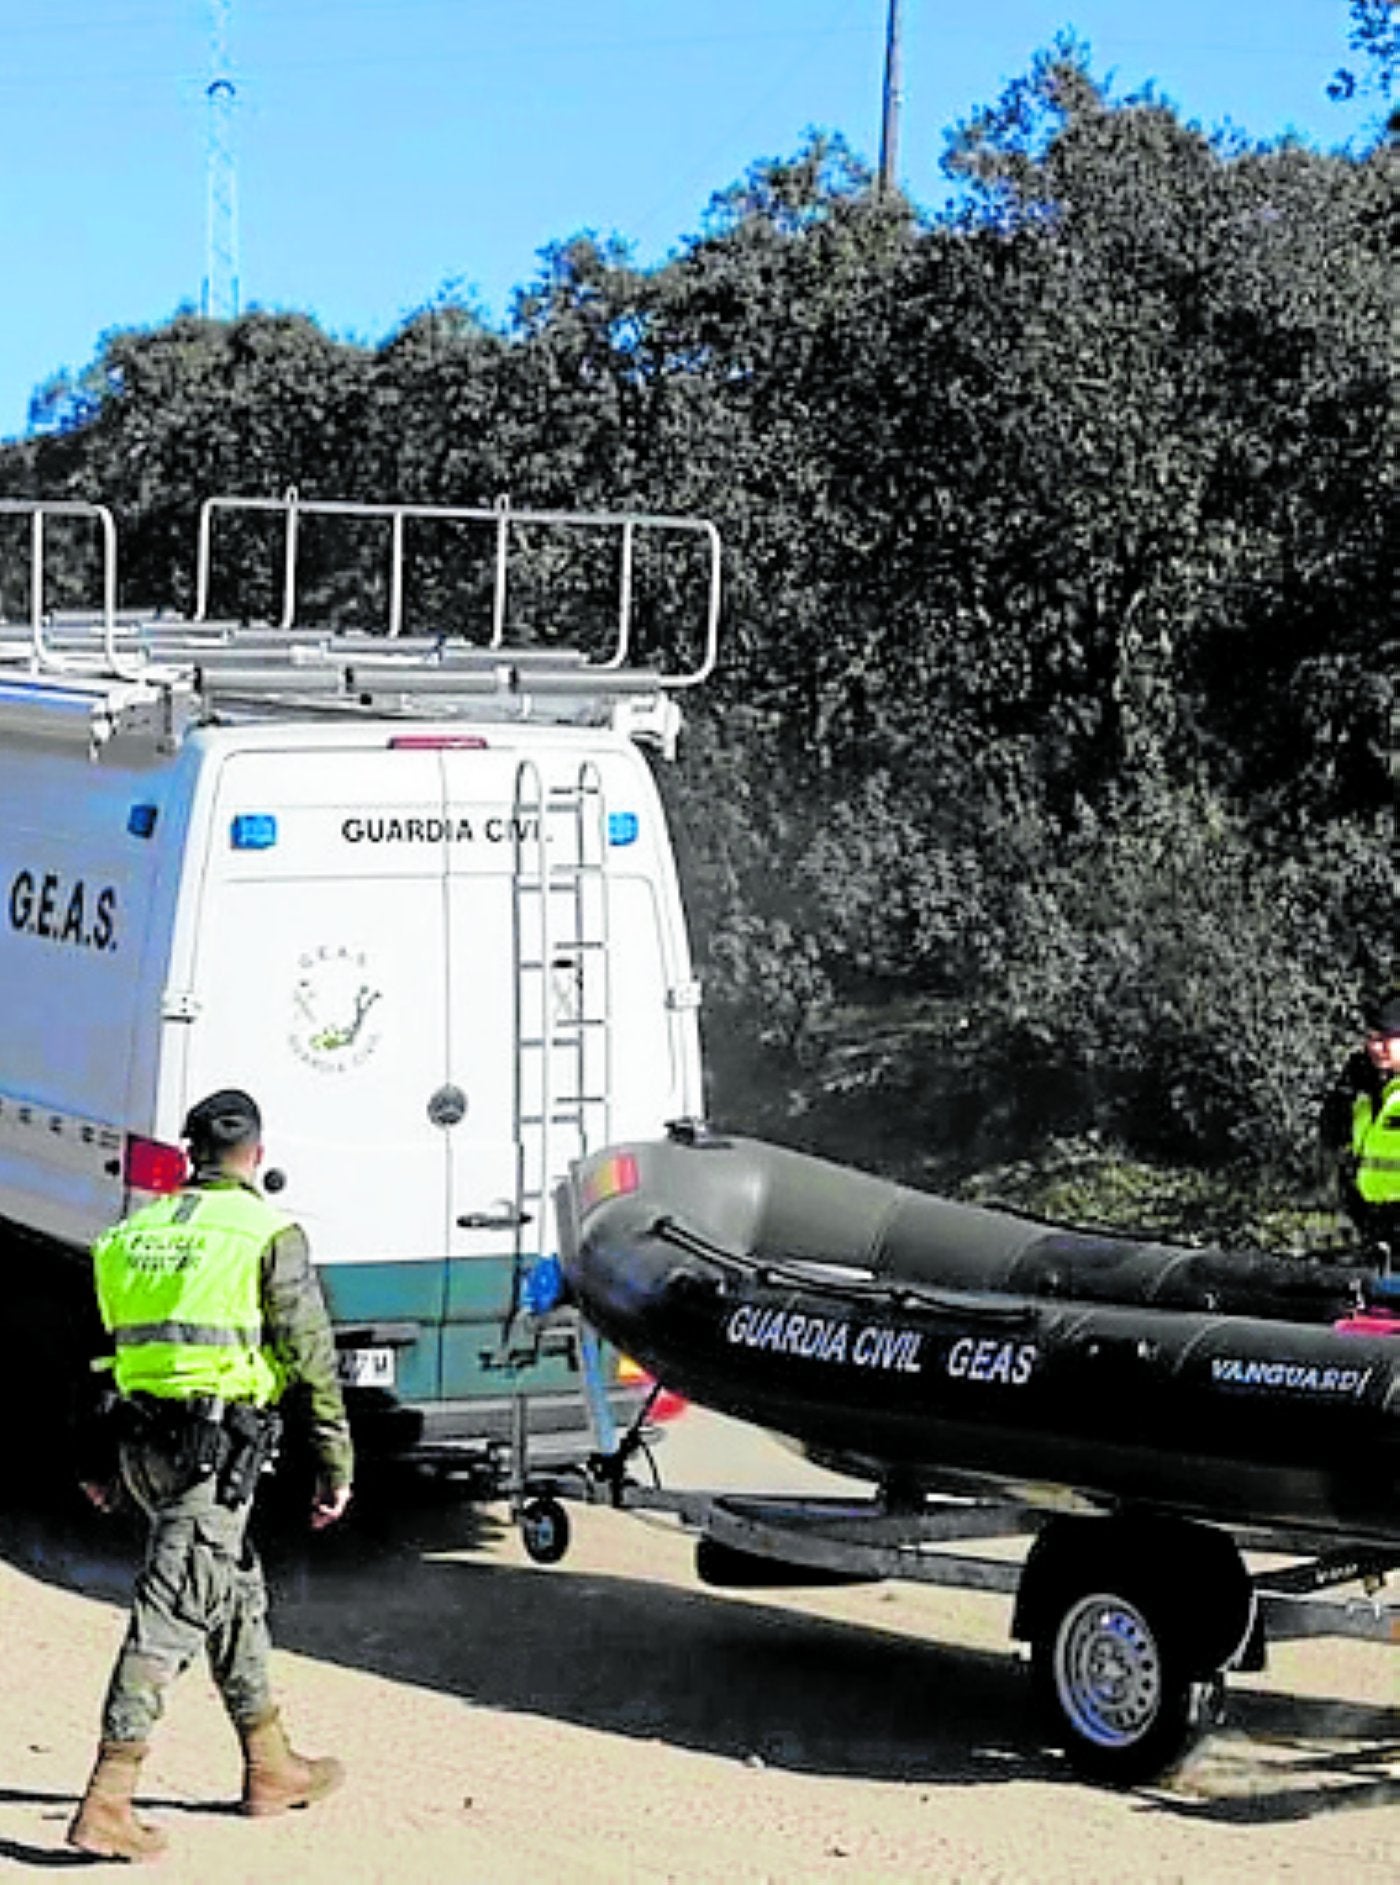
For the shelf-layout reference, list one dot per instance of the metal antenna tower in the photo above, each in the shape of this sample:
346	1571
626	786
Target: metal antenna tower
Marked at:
219	301
893	98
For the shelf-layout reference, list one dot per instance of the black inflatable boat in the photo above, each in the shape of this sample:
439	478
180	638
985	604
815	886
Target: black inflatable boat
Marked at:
936	1346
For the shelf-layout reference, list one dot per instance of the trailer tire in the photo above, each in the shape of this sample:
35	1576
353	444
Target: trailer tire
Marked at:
1113	1673
544	1530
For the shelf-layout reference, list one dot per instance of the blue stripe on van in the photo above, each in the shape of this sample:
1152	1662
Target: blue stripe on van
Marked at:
450	1362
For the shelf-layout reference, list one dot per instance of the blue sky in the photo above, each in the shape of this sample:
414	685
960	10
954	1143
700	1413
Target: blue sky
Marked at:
387	148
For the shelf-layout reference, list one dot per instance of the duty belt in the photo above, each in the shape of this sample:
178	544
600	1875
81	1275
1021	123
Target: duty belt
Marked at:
208	1436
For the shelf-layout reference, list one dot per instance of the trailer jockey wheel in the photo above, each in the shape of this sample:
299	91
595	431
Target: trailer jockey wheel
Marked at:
544	1530
1112	1668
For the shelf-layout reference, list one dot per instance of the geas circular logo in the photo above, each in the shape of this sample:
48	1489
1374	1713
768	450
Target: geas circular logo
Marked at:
335	1009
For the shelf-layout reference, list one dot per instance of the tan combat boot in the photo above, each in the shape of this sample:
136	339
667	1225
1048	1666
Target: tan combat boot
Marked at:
105	1824
275	1776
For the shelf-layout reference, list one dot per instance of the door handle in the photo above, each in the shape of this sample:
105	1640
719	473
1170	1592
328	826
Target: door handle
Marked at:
494	1220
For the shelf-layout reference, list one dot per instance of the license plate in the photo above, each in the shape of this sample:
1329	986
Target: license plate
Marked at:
365	1367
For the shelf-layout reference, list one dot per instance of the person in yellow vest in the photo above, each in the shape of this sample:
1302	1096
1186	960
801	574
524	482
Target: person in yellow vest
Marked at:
1361	1129
214	1309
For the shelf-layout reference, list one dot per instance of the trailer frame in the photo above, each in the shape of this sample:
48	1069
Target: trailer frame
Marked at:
1133	1618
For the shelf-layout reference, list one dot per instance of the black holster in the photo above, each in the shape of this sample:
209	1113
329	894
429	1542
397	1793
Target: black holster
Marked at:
251	1436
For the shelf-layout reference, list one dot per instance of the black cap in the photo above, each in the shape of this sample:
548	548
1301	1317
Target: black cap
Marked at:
225	1119
1383	1016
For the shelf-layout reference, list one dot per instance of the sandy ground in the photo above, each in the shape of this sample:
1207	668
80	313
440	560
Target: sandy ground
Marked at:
612	1719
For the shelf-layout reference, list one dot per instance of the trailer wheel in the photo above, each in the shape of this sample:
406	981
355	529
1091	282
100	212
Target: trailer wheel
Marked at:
1111	1667
544	1530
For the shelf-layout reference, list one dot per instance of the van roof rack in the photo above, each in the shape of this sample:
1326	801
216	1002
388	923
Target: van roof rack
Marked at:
147	674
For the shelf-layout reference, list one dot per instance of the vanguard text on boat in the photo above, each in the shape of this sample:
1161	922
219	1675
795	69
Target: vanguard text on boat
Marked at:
1183	1397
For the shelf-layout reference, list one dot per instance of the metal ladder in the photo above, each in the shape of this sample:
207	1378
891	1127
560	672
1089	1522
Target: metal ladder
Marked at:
563	992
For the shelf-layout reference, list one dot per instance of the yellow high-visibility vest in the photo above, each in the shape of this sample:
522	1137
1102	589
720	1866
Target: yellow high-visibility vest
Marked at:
1375	1140
179	1288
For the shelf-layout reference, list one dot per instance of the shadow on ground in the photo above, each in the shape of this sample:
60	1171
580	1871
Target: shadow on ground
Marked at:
405	1592
59	1807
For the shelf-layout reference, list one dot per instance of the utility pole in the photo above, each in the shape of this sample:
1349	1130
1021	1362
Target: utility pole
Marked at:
889	123
219	301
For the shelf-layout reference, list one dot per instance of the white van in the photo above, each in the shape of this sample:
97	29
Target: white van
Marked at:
416	895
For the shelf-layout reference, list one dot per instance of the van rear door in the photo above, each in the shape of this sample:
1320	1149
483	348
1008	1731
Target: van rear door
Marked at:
446	968
492	1219
320	983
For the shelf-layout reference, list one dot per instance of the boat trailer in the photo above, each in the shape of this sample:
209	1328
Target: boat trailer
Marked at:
1133	1620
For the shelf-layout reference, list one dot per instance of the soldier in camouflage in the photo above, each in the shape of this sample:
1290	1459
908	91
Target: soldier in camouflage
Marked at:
214	1310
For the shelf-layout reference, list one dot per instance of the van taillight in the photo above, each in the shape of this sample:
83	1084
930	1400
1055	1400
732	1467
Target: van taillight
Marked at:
151	1166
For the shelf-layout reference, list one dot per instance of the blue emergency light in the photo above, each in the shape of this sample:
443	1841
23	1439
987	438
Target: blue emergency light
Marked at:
623	827
141	820
542	1287
253	831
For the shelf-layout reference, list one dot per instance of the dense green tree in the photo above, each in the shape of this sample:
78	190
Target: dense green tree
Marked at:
200	408
1375	36
1043	784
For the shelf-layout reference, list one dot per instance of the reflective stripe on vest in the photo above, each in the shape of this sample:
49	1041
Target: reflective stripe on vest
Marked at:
1375	1139
179	1284
186	1334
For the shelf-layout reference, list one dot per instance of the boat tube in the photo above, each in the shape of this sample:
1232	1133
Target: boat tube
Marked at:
936	1346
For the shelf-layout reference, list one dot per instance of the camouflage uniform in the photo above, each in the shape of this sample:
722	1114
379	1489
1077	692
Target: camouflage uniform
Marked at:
201	1585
